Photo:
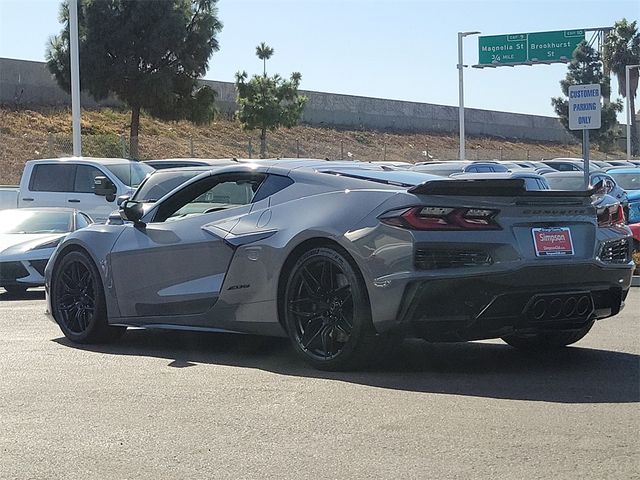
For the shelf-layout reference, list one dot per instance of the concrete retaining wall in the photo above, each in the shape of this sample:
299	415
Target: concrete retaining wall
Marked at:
30	83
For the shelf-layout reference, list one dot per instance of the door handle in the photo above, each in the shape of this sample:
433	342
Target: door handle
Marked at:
27	199
73	200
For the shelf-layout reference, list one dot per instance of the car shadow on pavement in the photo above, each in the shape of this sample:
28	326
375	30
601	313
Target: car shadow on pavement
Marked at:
28	295
571	375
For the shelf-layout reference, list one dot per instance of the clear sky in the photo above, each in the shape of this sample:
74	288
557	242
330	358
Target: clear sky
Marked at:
401	49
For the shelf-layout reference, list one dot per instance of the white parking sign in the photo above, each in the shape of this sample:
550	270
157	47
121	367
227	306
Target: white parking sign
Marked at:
584	107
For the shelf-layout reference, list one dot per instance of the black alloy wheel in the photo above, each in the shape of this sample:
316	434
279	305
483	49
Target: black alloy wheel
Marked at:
78	301
76	297
327	311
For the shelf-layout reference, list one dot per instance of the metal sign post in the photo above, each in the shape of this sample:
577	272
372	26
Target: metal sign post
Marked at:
75	78
628	96
585	113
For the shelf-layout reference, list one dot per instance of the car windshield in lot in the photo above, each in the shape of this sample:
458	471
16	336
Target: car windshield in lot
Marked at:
161	183
131	174
566	183
29	221
627	181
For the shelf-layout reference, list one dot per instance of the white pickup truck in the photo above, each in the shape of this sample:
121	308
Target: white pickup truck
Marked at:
87	184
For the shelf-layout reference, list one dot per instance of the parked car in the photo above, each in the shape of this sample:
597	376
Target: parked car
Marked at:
161	164
575	181
635	232
71	182
8	196
340	258
600	163
28	237
443	169
483	167
620	163
570	165
532	181
629	180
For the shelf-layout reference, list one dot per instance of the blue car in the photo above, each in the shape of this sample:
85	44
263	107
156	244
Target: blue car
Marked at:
629	180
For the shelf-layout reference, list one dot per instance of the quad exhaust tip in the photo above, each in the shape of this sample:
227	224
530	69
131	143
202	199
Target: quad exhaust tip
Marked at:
551	308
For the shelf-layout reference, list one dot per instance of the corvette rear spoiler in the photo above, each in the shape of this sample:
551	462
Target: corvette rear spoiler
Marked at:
503	187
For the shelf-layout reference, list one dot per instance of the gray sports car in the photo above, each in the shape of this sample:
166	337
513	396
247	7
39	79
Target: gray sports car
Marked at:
28	238
342	257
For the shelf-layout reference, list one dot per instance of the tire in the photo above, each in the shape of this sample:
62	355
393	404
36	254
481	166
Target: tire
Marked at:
78	303
15	289
327	312
547	340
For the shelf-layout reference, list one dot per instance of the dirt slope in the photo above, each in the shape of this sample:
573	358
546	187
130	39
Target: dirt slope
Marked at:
26	134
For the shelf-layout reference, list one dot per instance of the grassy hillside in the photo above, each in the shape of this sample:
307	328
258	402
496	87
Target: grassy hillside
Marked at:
27	134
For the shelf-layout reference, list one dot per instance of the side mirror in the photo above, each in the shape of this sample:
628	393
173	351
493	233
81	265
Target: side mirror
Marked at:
104	187
122	199
132	212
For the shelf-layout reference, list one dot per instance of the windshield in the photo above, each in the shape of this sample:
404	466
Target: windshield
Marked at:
28	221
161	183
132	173
628	181
566	183
441	172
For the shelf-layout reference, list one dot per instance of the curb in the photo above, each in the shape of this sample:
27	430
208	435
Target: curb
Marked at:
635	281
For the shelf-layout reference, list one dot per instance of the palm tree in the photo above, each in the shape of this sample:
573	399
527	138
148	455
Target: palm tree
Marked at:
622	48
264	52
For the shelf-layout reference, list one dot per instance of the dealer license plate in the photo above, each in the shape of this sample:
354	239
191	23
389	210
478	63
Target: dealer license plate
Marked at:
552	241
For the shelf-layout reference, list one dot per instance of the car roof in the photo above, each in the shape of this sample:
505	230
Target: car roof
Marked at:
89	160
574	173
499	175
43	209
623	170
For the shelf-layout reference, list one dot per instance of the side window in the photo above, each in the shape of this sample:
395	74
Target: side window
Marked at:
85	175
57	177
82	220
218	192
272	184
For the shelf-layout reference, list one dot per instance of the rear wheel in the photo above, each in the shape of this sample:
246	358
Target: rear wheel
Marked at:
326	311
78	301
547	340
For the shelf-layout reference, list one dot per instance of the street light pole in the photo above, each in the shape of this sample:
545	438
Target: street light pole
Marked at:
627	69
461	35
75	78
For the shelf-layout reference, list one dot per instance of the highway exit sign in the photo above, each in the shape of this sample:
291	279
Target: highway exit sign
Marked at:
528	48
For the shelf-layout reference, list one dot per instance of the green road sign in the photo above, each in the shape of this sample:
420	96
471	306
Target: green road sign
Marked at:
528	48
503	49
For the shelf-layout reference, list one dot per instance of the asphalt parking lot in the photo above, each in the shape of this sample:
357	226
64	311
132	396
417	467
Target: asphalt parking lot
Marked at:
182	405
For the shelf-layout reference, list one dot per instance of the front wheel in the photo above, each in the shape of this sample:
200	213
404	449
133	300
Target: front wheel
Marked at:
326	311
547	340
78	301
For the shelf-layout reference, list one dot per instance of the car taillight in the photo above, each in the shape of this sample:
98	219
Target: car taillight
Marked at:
442	218
611	215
